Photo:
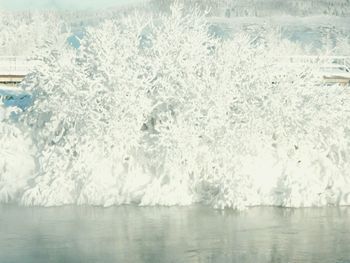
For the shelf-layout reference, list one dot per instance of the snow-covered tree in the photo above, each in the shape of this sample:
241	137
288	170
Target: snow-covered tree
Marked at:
156	110
25	33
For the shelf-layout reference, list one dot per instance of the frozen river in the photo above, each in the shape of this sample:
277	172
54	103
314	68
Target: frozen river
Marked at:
187	234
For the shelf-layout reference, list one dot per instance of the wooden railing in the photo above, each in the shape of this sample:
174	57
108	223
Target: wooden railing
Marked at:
332	69
319	60
13	69
14	66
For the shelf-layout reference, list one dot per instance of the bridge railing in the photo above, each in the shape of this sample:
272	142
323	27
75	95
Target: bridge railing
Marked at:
329	61
14	66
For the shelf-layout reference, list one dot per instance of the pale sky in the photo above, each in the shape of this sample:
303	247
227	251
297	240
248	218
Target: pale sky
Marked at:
61	4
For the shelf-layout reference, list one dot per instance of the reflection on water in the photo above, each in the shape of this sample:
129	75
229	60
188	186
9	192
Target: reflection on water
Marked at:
177	234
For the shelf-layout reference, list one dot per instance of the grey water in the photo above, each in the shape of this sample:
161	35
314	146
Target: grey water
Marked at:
176	234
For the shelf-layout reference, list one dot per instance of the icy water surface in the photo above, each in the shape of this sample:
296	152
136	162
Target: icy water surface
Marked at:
187	234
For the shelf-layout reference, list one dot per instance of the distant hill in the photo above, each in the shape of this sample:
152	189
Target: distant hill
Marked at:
236	8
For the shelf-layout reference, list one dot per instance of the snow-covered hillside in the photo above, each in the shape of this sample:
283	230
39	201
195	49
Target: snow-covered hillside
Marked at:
265	8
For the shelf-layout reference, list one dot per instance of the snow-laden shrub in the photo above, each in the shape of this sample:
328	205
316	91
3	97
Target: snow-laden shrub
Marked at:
25	33
16	162
157	111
